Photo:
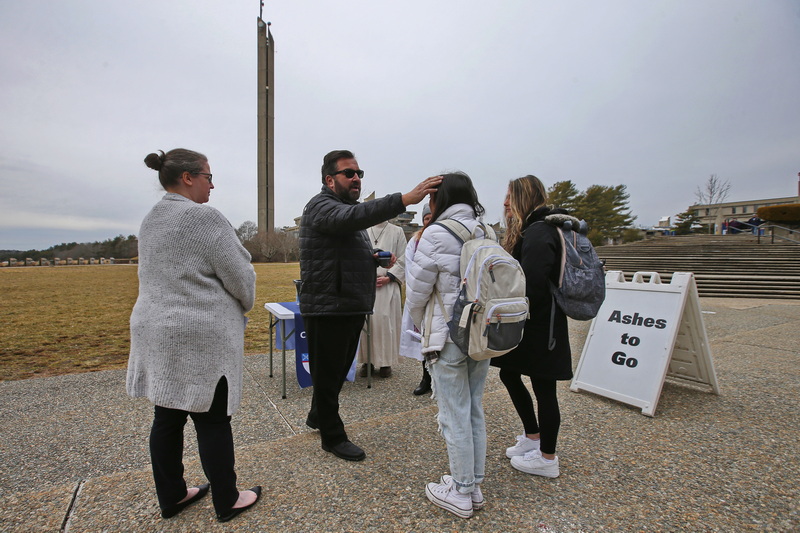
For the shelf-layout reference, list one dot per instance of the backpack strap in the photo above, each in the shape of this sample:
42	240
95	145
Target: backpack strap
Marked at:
429	317
563	256
551	342
426	330
456	229
441	304
488	231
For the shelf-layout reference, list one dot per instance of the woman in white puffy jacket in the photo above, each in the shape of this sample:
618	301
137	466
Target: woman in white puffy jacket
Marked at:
458	380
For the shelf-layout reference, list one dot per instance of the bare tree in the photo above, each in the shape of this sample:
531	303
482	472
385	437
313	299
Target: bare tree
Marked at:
714	191
273	247
247	230
264	247
287	246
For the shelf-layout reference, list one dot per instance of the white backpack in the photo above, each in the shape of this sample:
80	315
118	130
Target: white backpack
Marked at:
490	312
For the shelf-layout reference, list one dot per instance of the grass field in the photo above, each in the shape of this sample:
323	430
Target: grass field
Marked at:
63	320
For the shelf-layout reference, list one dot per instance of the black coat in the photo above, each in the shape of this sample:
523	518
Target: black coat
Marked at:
539	253
337	268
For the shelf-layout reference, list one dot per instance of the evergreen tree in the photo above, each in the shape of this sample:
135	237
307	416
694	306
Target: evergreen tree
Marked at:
684	222
606	210
564	194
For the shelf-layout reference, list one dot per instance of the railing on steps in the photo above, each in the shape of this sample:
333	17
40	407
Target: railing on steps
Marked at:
759	230
772	234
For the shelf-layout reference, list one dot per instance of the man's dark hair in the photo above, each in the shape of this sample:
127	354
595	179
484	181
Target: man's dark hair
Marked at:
330	159
456	188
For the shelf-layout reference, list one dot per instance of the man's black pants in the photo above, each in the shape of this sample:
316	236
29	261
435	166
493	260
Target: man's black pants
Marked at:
332	345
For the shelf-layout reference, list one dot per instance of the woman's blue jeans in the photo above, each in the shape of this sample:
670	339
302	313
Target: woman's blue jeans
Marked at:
458	383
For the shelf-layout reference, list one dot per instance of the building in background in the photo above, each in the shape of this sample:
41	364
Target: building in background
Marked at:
715	214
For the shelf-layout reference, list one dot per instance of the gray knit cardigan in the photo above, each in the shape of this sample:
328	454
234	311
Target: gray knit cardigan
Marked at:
187	327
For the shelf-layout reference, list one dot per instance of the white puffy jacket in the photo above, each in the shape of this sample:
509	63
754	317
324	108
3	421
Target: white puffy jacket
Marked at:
436	263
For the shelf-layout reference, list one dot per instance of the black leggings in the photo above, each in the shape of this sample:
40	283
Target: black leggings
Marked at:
549	414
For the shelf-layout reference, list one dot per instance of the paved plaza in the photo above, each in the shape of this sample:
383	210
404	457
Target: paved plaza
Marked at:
74	455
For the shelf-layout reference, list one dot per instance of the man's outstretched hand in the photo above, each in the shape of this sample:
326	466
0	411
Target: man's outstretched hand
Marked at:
422	190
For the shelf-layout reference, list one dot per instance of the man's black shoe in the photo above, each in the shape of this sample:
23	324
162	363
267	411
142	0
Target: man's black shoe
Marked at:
346	450
312	424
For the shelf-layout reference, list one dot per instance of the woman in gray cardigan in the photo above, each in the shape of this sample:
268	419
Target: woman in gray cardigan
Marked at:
187	333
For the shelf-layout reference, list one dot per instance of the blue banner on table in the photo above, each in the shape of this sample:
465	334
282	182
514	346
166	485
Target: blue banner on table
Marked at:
301	352
301	356
297	342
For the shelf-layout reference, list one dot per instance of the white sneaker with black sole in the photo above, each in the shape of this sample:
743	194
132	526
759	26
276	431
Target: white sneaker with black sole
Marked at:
477	496
446	496
533	463
523	446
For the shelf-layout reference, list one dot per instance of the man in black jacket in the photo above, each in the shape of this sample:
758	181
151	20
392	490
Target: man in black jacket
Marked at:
337	269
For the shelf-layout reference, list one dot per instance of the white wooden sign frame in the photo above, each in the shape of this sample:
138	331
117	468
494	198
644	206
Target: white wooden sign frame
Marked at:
644	332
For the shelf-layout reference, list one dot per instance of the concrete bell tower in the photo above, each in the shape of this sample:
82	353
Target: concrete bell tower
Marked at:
266	125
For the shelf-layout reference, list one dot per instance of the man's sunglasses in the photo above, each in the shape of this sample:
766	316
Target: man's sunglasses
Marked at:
349	173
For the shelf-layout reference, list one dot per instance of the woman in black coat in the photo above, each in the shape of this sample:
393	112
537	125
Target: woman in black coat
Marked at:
536	245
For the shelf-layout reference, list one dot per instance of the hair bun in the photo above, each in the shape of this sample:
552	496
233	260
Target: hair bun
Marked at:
155	161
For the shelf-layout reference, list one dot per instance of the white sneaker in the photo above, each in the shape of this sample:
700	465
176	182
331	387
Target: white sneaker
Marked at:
477	496
533	463
447	497
523	446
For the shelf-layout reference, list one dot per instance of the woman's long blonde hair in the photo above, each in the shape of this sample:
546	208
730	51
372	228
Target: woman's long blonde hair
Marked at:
525	195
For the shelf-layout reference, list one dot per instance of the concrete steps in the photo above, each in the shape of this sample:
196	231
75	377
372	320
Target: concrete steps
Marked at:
723	265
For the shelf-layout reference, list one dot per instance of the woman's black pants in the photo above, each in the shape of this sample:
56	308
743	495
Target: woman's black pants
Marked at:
214	442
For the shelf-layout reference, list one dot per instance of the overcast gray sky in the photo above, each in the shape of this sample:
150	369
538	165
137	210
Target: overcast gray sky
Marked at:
656	95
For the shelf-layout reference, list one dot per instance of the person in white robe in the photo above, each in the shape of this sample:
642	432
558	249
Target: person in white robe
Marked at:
384	323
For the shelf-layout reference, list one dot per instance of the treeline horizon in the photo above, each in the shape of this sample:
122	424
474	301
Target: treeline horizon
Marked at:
604	208
119	247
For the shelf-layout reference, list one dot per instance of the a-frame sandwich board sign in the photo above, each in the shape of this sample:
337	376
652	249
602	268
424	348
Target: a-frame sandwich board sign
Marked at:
644	332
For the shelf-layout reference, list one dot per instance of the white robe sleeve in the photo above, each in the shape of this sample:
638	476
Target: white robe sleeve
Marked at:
398	248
